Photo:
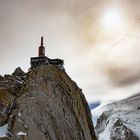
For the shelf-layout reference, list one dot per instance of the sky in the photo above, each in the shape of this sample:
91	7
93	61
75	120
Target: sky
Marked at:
99	41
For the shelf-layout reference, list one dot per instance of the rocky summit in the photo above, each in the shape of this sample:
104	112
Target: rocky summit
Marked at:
119	120
43	104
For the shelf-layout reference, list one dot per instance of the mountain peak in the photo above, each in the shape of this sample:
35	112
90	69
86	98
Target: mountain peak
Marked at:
18	72
49	106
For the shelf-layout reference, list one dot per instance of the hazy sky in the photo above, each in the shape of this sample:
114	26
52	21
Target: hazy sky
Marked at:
98	39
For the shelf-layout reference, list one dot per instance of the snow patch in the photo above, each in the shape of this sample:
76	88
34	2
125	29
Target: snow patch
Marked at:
4	130
19	114
21	133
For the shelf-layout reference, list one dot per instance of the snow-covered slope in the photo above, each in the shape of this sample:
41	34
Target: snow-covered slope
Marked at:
118	119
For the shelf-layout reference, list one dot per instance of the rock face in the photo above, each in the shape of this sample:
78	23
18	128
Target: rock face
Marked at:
11	83
121	132
102	122
49	106
119	120
18	72
9	87
116	130
6	103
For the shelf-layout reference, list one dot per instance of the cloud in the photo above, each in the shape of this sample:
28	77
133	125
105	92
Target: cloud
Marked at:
122	65
95	58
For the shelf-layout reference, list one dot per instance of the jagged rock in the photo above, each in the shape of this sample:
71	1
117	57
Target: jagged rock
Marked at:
121	132
18	72
1	78
119	120
113	128
51	107
6	103
12	83
102	122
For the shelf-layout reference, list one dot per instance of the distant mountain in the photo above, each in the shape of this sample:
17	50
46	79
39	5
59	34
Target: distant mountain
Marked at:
118	120
93	105
43	104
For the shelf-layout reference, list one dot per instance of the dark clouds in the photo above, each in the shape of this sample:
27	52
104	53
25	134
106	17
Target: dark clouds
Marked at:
124	76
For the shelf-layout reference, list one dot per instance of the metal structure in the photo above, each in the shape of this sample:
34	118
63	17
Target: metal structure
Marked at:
44	60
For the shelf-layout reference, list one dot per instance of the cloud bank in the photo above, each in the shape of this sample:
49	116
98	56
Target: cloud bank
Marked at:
104	62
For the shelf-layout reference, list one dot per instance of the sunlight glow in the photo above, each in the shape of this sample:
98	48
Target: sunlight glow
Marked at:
112	19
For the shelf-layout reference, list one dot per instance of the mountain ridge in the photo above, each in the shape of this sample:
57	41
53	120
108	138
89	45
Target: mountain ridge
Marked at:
49	106
118	120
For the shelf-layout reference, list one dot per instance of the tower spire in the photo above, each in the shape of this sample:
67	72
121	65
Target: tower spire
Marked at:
41	50
41	40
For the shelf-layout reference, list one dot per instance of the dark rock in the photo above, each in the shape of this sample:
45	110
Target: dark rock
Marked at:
102	121
6	102
121	132
18	72
1	78
12	83
7	76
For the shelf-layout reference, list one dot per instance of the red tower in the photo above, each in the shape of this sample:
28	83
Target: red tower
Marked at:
41	51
